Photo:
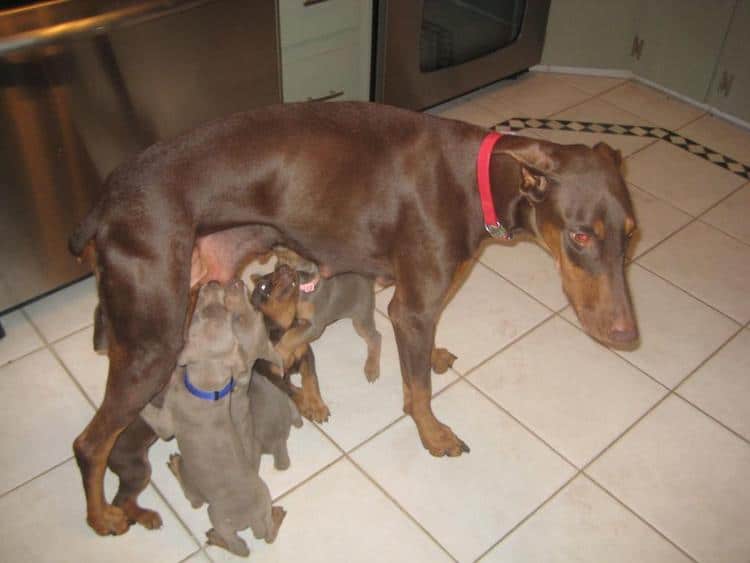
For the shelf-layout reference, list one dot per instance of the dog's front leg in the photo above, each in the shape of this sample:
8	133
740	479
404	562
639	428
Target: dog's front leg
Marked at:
415	337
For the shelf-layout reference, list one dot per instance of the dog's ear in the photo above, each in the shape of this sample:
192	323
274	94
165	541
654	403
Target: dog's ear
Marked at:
534	184
609	153
190	353
536	165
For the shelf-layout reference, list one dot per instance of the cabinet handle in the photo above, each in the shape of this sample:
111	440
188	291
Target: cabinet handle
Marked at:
331	95
725	84
312	2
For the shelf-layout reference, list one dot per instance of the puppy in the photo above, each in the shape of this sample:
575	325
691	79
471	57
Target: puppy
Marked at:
262	413
299	304
213	466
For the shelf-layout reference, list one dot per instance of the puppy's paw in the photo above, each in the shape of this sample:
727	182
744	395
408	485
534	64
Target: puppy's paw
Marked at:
234	545
277	517
372	371
311	406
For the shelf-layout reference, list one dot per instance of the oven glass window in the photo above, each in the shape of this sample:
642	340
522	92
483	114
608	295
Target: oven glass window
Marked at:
456	31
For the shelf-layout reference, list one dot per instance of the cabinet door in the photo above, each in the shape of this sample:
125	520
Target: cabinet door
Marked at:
325	49
590	33
681	42
733	69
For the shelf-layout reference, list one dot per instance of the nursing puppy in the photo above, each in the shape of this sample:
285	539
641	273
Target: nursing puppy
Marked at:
299	304
213	466
262	413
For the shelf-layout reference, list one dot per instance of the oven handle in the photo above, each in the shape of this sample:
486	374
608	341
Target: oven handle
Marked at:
95	24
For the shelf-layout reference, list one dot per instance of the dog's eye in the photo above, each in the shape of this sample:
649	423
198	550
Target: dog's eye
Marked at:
581	239
263	287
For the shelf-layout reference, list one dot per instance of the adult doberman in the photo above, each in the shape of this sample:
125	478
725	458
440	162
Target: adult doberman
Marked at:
355	187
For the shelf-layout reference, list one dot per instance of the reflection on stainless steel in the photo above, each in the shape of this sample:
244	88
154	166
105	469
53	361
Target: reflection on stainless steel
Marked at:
429	51
84	84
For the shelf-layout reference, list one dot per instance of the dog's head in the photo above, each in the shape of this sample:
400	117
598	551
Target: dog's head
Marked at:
574	200
210	336
276	295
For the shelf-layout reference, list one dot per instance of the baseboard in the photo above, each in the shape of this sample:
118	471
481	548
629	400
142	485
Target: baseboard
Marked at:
627	74
588	71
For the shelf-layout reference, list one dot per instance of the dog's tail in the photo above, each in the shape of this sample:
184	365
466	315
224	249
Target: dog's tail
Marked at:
85	231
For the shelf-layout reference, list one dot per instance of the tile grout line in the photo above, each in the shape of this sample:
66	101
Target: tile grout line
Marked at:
172	509
696	218
638	516
403	509
193	554
35	477
686	292
345	454
528	516
614	354
671	392
522	424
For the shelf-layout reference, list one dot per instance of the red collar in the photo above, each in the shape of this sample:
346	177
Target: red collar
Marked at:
491	223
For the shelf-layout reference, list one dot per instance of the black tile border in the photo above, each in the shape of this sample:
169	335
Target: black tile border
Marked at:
672	137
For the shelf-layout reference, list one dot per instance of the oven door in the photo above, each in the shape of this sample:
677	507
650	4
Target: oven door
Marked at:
430	51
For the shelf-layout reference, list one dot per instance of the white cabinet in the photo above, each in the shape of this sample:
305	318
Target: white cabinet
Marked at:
325	49
682	40
730	89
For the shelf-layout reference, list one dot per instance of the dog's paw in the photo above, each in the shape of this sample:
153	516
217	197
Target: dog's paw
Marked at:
441	441
372	372
174	465
441	360
234	545
135	514
277	517
311	407
149	519
111	521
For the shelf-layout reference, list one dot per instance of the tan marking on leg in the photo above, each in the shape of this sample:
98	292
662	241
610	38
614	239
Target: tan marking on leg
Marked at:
436	437
308	400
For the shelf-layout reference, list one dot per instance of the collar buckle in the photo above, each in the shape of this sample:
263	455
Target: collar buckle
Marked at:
496	230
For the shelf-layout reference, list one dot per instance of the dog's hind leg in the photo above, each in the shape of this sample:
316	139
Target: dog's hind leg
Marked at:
144	336
131	383
129	461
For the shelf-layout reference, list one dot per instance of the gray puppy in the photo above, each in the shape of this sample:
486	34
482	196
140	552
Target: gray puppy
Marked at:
264	419
213	466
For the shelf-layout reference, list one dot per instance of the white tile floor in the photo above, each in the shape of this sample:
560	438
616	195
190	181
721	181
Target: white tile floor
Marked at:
578	453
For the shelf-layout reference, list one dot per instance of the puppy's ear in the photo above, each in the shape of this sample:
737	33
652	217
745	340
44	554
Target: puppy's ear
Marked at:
190	353
609	153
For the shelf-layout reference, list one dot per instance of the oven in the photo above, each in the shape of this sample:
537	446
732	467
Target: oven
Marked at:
429	51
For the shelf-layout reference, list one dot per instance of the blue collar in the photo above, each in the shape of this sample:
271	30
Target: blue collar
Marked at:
207	395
